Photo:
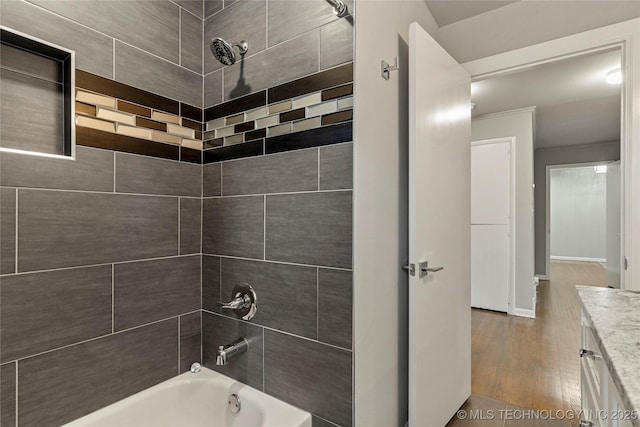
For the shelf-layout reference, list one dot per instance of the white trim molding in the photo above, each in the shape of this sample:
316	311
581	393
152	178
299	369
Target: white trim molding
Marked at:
577	258
521	312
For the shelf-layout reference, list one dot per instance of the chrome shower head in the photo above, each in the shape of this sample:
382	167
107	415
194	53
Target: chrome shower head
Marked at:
223	51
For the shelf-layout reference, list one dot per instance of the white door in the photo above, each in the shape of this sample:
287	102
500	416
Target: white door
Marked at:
439	232
491	201
614	208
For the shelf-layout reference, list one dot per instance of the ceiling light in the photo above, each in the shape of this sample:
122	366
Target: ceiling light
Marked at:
614	77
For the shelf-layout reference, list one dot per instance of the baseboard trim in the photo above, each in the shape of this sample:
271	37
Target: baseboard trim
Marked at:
524	313
575	258
542	276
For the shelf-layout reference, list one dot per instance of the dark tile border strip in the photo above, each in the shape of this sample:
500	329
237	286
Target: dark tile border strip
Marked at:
190	155
318	81
118	90
191	112
245	149
110	141
327	135
237	105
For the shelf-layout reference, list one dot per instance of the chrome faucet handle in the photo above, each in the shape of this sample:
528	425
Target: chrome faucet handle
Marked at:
243	302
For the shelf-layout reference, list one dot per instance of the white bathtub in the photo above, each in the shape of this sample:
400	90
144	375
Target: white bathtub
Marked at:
194	400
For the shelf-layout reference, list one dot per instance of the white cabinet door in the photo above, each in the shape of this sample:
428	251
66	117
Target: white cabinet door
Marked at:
490	267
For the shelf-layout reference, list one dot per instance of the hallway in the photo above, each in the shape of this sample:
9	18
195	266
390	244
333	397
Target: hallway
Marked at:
533	363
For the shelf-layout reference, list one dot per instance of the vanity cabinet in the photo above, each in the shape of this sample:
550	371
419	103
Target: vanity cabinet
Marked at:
601	402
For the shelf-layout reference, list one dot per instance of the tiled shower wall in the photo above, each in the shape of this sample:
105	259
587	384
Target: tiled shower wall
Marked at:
277	201
100	257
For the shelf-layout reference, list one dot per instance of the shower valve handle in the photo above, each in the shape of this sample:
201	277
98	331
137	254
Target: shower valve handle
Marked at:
243	301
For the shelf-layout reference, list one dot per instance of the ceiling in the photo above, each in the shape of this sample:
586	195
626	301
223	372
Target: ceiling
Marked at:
447	12
574	104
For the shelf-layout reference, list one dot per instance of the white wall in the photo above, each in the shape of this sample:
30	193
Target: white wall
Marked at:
517	123
380	233
543	157
578	214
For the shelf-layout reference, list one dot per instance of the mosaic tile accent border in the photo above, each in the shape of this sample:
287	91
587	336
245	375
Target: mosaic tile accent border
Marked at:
118	117
311	111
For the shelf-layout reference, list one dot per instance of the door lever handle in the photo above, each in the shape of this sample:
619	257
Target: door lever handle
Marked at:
425	269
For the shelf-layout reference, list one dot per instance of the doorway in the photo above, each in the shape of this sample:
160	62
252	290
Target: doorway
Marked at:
555	120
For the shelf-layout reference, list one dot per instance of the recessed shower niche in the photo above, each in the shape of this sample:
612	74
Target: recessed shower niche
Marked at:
36	96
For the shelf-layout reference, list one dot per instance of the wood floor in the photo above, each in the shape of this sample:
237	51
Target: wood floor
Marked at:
534	363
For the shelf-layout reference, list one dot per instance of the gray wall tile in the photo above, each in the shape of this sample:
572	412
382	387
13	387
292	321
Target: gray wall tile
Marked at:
335	301
194	6
190	222
212	86
218	330
277	286
144	71
25	99
244	20
26	62
190	340
63	229
210	282
151	25
147	291
92	170
212	6
43	311
211	180
8	394
336	43
63	385
7	229
94	51
149	175
310	228
234	226
191	43
293	59
276	173
336	167
288	19
292	364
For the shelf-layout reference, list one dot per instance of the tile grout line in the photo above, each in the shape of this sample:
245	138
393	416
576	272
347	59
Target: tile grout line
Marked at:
106	192
179	226
113	297
327	267
103	264
264	227
179	36
278	330
318	168
114	171
263	364
16	234
178	344
113	59
17	394
229	196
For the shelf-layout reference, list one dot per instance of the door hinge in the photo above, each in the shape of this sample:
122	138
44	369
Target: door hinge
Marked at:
626	264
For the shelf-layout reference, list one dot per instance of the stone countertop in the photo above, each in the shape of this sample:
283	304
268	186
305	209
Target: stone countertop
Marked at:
615	317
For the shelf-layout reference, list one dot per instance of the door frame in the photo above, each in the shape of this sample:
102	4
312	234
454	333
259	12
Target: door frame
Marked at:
547	204
511	140
624	36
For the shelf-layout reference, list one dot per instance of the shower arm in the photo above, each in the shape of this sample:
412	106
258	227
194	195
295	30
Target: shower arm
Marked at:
339	7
